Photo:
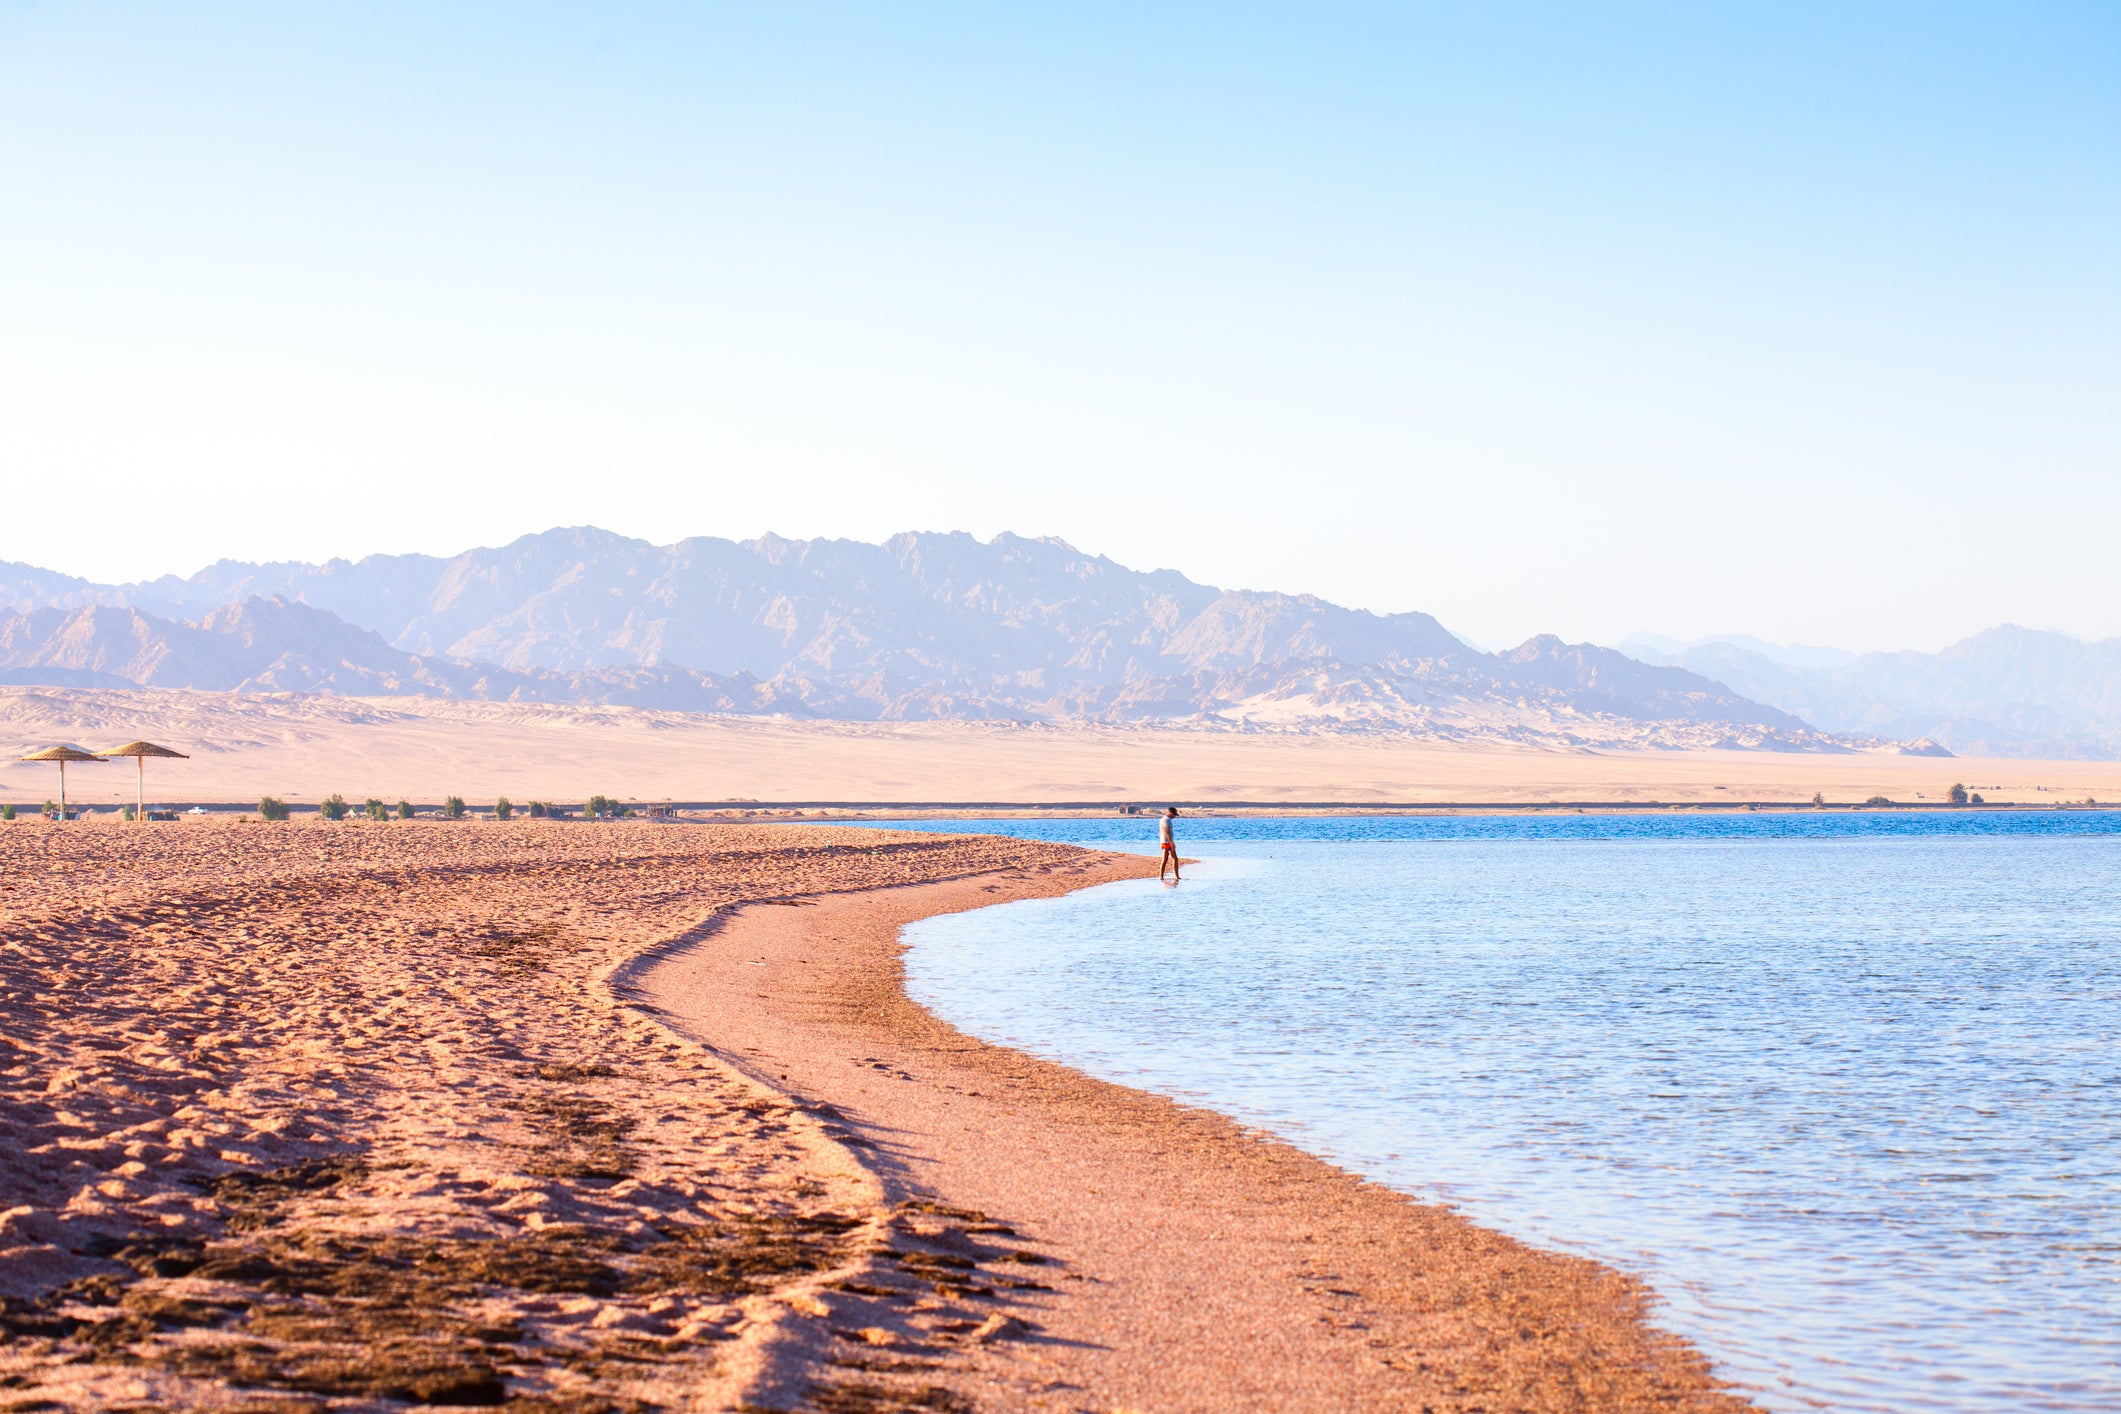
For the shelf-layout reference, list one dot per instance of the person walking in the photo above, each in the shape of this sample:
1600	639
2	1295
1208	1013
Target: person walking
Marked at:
1163	830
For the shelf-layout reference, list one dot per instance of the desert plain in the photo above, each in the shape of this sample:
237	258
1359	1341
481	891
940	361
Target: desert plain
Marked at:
302	748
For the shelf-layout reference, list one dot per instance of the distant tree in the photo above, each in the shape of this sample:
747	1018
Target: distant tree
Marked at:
376	809
597	808
271	809
405	810
1877	800
1957	794
1975	799
333	807
1818	798
7	812
453	807
537	810
502	809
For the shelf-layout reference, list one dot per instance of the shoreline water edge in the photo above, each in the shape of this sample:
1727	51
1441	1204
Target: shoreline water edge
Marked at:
640	1116
1182	1261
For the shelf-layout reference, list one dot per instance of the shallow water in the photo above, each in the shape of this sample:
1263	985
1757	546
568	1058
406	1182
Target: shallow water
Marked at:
1845	1089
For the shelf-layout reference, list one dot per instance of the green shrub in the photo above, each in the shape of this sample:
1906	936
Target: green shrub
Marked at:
405	810
7	812
333	807
597	807
1957	794
502	809
376	809
453	807
1976	799
271	809
537	810
1877	800
127	811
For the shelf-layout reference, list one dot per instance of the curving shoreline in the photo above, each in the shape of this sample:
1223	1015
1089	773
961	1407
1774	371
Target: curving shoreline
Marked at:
1185	1263
310	1116
604	1119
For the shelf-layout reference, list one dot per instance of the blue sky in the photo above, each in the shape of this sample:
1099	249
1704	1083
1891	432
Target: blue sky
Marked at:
1799	321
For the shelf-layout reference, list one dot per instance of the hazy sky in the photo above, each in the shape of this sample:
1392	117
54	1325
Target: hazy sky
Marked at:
1797	320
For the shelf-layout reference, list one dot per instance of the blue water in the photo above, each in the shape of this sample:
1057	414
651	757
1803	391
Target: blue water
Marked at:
1844	1088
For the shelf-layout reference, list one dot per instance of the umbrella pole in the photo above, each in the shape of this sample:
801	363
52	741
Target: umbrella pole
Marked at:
62	792
141	815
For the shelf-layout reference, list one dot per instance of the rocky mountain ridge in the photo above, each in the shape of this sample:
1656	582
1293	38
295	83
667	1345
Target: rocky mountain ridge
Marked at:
920	627
278	645
2006	691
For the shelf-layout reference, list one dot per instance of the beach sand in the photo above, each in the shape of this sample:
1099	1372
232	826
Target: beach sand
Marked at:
1179	1261
626	1116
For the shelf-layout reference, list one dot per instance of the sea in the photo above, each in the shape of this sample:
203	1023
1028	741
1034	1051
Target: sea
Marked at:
1844	1088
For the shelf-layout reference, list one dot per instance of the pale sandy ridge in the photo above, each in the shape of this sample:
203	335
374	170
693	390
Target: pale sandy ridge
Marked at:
1183	1263
302	749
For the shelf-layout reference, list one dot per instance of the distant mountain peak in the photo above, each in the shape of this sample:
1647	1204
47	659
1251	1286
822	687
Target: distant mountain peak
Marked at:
2005	691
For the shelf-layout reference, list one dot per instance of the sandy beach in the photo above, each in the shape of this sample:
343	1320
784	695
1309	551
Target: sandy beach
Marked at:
1183	1262
620	1117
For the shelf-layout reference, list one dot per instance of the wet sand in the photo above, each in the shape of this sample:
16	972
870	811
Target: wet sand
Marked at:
1180	1261
559	1116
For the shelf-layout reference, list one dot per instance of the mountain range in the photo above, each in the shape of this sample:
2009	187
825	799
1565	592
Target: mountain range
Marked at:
945	626
282	645
2005	691
923	626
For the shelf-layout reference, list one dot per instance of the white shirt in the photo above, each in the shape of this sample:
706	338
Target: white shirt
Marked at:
1163	829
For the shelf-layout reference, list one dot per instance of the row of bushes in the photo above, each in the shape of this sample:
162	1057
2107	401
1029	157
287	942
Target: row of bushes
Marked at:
50	811
338	807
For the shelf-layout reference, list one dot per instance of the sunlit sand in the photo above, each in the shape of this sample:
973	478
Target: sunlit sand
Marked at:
302	749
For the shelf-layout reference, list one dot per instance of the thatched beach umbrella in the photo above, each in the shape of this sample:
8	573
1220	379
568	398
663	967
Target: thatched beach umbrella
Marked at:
140	751
62	755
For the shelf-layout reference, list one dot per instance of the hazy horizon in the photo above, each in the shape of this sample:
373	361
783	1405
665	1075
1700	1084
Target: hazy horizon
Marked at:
1591	322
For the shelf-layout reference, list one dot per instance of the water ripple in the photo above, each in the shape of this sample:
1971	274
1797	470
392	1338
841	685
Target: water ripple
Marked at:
1844	1089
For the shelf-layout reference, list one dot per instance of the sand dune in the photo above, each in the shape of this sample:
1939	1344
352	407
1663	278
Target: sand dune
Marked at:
302	748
